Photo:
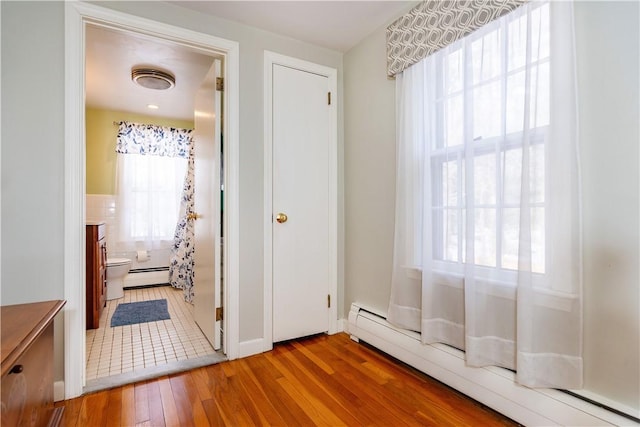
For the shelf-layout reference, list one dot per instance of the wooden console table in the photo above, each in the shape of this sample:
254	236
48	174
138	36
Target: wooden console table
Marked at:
27	364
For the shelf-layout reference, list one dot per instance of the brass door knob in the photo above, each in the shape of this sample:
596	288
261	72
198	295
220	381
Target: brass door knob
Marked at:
193	216
281	218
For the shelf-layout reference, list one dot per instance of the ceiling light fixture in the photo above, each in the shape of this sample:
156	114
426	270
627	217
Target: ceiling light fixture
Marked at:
152	106
152	78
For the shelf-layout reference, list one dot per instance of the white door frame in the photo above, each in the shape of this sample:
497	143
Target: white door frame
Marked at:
77	15
271	58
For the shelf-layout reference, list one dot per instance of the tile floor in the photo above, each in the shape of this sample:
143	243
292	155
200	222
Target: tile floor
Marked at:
125	349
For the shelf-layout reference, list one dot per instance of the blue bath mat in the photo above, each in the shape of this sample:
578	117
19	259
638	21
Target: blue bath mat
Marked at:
130	313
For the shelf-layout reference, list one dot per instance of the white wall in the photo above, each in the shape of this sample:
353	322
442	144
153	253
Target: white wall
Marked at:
370	165
32	151
607	44
33	146
32	157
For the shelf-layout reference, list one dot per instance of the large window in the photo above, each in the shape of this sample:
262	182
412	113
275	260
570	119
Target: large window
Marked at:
487	234
491	102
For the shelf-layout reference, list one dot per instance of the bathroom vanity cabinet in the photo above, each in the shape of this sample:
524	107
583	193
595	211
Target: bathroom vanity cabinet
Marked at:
96	273
27	364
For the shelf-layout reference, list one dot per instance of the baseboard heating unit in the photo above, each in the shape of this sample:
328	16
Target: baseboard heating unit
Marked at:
492	386
146	277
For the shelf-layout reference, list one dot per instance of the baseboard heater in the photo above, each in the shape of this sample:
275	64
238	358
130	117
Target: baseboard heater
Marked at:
492	386
146	277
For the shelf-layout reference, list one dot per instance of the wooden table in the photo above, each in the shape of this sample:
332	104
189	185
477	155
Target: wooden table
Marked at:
27	364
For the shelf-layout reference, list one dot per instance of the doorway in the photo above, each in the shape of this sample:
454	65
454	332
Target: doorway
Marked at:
140	202
78	17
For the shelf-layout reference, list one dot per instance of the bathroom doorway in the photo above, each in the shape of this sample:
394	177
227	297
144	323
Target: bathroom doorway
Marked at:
77	16
122	354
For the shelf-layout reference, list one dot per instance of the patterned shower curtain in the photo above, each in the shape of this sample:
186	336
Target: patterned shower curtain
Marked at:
182	260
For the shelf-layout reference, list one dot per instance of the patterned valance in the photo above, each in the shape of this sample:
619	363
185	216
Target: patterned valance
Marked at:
434	24
152	140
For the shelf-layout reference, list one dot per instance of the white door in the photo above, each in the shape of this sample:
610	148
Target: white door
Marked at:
301	147
207	250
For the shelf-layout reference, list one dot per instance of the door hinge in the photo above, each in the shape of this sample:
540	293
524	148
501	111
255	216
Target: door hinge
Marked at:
328	98
329	301
219	312
220	84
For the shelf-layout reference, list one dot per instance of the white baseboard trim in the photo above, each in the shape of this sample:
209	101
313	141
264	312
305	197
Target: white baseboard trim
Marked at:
251	347
494	387
260	345
58	391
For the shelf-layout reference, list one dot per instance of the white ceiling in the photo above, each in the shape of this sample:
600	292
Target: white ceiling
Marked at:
110	54
336	25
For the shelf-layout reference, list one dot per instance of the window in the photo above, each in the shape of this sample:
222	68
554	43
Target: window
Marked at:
488	200
150	188
490	103
151	172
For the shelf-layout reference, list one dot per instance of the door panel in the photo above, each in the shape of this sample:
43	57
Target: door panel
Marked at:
301	137
207	206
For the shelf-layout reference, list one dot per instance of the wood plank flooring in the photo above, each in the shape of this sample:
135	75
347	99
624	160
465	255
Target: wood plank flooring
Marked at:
323	380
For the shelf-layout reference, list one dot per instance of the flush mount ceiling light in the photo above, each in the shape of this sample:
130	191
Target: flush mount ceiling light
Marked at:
151	78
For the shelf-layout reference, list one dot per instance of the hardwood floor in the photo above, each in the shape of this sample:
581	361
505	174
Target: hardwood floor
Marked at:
323	380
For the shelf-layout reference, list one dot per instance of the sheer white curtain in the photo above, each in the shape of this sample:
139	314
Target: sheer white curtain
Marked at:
487	240
150	176
149	190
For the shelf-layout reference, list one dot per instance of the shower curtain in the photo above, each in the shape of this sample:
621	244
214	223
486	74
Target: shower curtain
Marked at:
181	266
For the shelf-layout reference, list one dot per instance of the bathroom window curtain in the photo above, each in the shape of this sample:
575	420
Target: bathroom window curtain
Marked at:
487	236
151	168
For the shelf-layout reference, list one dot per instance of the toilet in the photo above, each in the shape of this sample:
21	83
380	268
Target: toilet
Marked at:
117	269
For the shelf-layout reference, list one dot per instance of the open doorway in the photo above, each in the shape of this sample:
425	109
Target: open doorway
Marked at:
79	16
135	198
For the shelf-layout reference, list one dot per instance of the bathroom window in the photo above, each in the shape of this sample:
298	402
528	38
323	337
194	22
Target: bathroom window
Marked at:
151	172
149	192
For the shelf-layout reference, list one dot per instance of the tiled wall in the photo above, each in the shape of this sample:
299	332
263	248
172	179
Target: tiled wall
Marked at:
103	207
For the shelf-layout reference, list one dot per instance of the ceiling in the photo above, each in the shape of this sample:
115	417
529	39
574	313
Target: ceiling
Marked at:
336	25
110	53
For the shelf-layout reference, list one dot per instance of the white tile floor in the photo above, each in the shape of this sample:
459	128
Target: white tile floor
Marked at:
125	349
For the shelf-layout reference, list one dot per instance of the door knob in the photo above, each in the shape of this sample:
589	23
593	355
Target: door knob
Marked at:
281	218
193	216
